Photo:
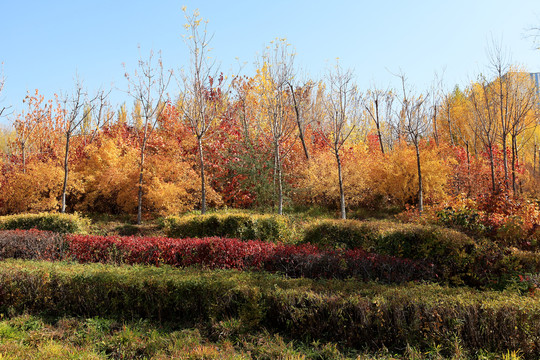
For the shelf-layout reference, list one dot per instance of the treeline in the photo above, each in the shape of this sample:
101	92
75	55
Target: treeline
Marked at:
273	139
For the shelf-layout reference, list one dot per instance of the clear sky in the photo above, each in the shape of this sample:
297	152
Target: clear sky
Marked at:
45	42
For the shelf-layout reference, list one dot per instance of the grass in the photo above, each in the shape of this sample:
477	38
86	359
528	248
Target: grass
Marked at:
36	337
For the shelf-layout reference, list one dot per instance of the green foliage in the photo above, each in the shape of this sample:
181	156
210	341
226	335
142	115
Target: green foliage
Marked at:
457	258
463	219
356	316
60	223
347	234
244	226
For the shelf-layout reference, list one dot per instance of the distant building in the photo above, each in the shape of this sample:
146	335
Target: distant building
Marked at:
536	78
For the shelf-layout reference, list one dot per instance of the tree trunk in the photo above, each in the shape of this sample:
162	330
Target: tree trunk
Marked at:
435	132
534	161
341	191
468	169
492	166
450	130
420	184
278	175
203	180
299	123
140	192
23	148
280	190
66	169
378	125
514	156
505	163
303	141
380	137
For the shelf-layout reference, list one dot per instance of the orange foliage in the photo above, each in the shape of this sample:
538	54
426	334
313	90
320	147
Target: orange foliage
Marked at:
373	179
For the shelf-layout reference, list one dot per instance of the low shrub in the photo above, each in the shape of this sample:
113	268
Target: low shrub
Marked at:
463	219
295	261
31	244
346	234
457	258
355	315
450	251
309	262
242	226
60	223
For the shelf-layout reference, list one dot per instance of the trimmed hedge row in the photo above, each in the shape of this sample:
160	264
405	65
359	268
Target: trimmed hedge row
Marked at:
223	253
350	313
458	259
242	226
31	244
60	223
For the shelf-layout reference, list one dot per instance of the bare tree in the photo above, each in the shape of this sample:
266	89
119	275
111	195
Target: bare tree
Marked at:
378	105
277	65
485	123
148	86
2	82
343	112
415	122
434	106
73	118
500	64
448	99
201	102
302	99
523	100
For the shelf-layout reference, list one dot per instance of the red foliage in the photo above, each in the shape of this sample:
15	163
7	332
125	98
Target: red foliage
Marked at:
295	261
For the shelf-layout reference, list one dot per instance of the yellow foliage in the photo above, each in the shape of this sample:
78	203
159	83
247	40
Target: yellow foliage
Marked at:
111	175
319	180
37	190
373	179
397	174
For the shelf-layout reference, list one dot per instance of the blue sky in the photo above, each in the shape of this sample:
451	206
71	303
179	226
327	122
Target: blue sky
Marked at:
44	43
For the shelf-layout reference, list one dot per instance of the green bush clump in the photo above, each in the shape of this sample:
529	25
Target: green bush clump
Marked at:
59	223
463	219
355	315
242	226
451	252
458	259
341	234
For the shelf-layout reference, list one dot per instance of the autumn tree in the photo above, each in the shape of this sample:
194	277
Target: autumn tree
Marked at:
378	105
201	101
2	82
302	101
524	100
148	86
28	124
342	103
415	122
500	88
484	120
76	110
276	69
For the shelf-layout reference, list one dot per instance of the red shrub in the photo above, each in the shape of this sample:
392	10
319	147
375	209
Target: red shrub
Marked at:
295	261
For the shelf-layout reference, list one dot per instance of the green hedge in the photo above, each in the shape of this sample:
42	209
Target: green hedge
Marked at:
350	313
243	226
60	223
345	234
458	258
